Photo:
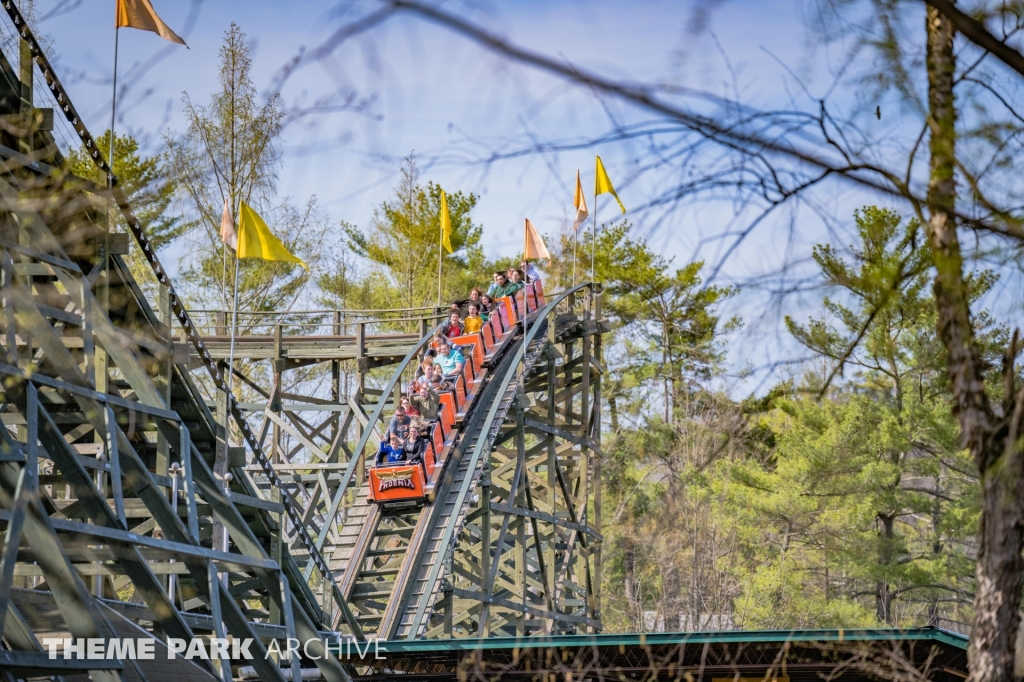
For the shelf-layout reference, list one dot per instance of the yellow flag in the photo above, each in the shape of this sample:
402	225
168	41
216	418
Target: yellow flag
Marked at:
255	240
603	185
533	245
446	224
140	14
580	203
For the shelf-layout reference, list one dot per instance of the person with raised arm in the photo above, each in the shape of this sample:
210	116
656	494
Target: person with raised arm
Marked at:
531	272
392	451
427	402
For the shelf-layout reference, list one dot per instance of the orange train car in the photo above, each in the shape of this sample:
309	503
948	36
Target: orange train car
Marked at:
414	482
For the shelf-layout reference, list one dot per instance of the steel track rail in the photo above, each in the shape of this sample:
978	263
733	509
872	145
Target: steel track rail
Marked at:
519	363
359	554
432	514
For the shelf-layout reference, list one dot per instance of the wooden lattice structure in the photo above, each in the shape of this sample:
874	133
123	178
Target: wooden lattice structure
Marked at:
139	498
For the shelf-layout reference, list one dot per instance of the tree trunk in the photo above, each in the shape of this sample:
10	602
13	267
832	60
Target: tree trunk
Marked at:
883	592
666	373
674	531
987	436
937	512
613	409
671	585
999	571
629	568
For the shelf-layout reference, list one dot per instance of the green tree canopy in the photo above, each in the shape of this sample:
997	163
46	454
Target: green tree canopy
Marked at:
868	501
401	247
146	181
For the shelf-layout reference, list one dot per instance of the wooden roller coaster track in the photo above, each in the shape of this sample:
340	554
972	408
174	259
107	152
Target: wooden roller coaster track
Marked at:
139	497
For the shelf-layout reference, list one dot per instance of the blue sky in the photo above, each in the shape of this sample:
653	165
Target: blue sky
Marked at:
454	103
432	91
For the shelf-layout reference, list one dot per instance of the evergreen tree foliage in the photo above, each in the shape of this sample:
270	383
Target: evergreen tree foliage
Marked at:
840	499
145	181
868	495
400	247
149	186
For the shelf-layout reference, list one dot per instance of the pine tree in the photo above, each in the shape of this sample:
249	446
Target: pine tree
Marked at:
401	247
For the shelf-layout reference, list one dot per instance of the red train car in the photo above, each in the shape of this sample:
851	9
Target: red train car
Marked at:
403	482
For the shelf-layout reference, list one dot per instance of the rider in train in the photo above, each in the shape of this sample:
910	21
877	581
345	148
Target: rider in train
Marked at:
393	452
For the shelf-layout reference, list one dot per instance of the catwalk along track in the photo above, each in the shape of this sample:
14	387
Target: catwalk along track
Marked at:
141	498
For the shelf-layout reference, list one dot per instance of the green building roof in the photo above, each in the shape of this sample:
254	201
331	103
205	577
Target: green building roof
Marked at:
662	638
858	655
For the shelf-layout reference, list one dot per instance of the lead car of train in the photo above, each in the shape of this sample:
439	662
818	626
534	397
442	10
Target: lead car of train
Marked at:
415	483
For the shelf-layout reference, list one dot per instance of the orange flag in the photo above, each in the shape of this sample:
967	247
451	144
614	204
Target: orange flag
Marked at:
580	203
141	15
227	228
533	245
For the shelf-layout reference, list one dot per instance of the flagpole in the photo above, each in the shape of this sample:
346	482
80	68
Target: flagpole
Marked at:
593	240
526	244
224	268
234	326
575	243
439	246
113	110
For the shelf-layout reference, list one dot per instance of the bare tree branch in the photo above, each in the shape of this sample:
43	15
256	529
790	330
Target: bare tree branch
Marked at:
975	31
